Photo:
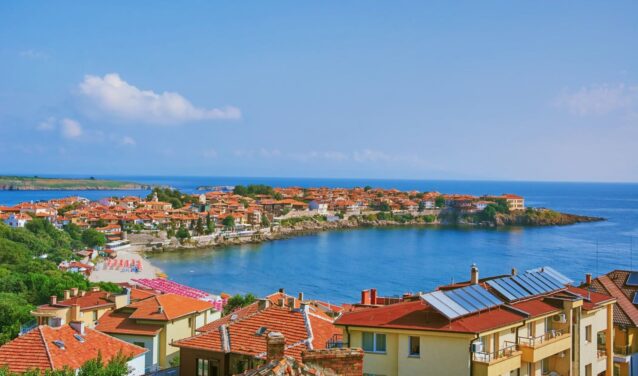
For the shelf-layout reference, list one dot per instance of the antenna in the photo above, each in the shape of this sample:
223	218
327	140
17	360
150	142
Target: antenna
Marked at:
631	253
596	256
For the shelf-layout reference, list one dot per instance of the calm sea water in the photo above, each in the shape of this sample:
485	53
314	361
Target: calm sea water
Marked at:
335	266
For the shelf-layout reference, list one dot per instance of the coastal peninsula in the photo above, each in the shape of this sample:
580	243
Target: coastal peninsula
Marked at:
35	183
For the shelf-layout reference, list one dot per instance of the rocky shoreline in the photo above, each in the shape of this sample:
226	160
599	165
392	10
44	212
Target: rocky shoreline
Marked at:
311	225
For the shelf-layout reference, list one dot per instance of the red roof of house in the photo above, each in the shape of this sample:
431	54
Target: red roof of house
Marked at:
121	323
298	328
418	315
89	300
36	349
615	284
172	306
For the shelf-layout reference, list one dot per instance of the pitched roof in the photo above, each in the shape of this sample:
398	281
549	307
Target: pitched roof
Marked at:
37	349
302	331
172	306
287	366
418	315
614	283
121	323
90	299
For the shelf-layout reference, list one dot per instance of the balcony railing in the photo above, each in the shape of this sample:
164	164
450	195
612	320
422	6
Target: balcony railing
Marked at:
623	350
510	349
601	353
539	340
336	341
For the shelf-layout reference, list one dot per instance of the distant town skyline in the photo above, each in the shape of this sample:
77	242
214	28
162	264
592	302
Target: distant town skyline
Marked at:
480	91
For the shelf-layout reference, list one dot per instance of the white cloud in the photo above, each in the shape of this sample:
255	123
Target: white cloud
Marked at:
34	54
112	96
47	125
71	128
599	99
128	141
209	153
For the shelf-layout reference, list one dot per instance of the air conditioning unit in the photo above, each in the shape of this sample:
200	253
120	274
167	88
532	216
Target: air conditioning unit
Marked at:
477	347
561	318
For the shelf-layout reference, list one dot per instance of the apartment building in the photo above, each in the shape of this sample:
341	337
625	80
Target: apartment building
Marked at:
529	324
622	285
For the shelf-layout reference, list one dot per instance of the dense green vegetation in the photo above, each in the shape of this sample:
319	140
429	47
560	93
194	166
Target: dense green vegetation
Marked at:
238	301
173	196
95	367
35	182
256	189
28	270
295	220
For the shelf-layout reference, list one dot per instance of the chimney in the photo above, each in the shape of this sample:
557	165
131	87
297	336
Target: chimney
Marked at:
263	304
160	309
365	296
300	297
373	296
74	291
275	345
345	362
514	272
474	275
282	291
82	293
75	312
67	294
54	300
292	302
588	279
78	326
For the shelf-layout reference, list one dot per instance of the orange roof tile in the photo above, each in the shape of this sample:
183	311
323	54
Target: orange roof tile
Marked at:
172	307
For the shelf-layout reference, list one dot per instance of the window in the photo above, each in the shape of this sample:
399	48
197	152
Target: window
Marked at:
588	370
415	346
588	333
202	367
140	344
545	366
94	315
373	342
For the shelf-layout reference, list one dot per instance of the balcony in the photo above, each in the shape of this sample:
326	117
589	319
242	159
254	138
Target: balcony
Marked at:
496	363
624	350
537	348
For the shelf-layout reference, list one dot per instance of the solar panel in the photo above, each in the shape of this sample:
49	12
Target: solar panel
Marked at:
489	298
540	289
514	287
502	290
461	301
551	280
561	278
635	301
523	283
434	300
632	280
542	282
467	296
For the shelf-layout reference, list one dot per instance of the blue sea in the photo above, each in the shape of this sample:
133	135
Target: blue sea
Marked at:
336	265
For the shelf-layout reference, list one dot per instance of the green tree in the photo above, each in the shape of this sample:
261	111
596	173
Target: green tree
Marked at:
200	226
14	310
439	201
238	301
229	222
93	238
264	221
421	206
182	233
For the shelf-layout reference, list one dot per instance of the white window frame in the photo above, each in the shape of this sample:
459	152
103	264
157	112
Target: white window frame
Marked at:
374	343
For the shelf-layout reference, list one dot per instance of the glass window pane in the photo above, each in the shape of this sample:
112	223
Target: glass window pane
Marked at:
368	341
415	345
380	342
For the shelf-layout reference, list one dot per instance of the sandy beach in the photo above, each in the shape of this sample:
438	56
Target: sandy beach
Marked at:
117	274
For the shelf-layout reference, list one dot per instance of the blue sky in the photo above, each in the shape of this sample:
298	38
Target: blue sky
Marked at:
544	90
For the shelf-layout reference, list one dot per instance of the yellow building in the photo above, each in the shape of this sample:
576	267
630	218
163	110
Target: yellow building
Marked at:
622	285
155	323
84	306
474	329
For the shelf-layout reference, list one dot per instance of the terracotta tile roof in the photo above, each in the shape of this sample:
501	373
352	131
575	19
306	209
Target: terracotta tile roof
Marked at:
172	306
89	300
36	349
242	334
591	299
628	311
536	307
121	323
418	315
619	277
141	294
